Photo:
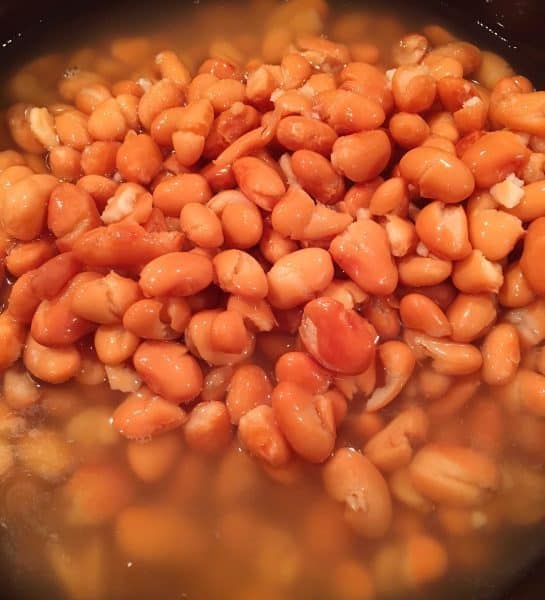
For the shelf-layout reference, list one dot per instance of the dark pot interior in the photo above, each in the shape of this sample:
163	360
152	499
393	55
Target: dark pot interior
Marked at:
513	28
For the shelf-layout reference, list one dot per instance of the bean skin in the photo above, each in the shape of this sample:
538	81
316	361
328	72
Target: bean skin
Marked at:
361	156
331	334
494	156
208	428
258	181
438	175
260	434
248	387
143	414
501	354
363	252
317	176
419	312
298	277
301	133
176	273
530	262
307	421
301	369
350	478
169	370
454	476
393	447
53	365
238	272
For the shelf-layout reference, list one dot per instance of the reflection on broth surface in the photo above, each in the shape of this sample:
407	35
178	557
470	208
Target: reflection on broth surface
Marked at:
271	318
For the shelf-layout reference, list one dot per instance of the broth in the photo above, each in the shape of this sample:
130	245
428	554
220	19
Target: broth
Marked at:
222	526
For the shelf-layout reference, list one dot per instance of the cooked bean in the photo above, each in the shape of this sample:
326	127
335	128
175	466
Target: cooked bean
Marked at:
363	252
176	274
393	447
153	459
331	334
247	388
530	262
421	313
301	133
361	156
95	494
437	174
54	365
143	414
208	428
169	370
454	476
258	181
471	316
44	453
238	272
301	369
352	479
307	421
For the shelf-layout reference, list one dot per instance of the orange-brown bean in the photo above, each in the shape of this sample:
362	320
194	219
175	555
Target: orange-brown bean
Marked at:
437	175
317	177
298	277
201	225
454	476
139	159
307	421
238	272
423	314
169	370
408	129
351	478
501	354
258	181
114	344
338	339
363	252
248	387
361	156
444	230
470	316
208	428
302	369
176	274
302	133
173	193
53	365
142	414
261	436
530	261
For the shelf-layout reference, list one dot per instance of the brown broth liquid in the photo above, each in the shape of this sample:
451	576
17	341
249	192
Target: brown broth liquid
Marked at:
250	534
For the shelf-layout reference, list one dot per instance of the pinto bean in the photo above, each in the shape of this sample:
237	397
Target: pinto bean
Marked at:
494	156
530	261
106	246
421	313
143	414
299	277
208	428
348	112
54	365
248	387
302	133
258	181
350	478
301	369
260	434
437	174
331	334
307	421
24	207
361	156
169	370
470	316
454	476
363	252
317	176
393	447
444	230
238	272
176	273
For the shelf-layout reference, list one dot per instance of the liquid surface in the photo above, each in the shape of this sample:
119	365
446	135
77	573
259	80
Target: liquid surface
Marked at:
223	526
